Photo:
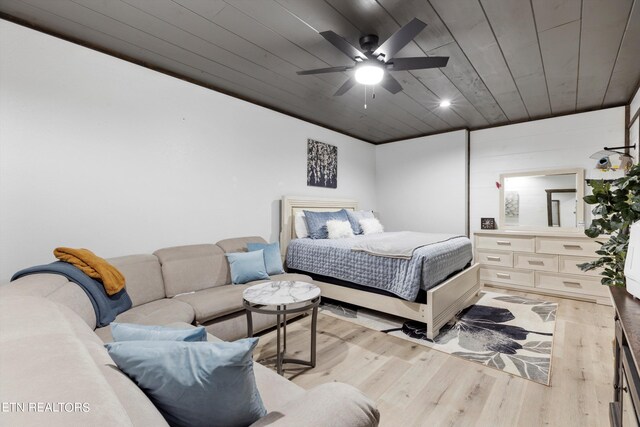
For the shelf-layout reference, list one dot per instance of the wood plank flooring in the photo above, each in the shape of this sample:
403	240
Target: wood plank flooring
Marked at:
413	385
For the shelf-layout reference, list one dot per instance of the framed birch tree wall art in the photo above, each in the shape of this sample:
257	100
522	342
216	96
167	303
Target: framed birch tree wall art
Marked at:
322	164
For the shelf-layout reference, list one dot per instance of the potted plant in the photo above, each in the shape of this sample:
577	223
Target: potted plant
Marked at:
617	206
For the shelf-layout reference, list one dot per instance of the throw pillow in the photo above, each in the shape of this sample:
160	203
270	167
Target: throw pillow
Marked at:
317	222
355	217
339	229
300	225
247	266
272	259
194	383
371	226
133	332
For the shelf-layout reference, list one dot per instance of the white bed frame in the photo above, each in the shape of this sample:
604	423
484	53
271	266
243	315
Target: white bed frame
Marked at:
443	301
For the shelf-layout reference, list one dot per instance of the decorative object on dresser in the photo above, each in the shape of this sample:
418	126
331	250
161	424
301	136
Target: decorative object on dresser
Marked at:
617	203
540	262
322	164
488	223
624	411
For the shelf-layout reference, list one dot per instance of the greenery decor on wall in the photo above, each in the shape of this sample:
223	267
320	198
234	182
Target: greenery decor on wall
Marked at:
617	206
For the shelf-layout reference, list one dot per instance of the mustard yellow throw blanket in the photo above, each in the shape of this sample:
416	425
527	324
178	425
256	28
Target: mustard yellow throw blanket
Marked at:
93	266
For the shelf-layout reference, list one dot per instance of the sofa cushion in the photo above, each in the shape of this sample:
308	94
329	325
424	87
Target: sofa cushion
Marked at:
193	268
214	302
136	332
55	288
43	360
143	277
238	244
195	383
247	266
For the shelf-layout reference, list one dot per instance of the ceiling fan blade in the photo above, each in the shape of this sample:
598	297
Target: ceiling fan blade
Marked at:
325	70
418	63
390	84
399	39
344	46
345	86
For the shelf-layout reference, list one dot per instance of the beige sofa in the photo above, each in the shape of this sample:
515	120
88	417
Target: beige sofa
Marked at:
50	351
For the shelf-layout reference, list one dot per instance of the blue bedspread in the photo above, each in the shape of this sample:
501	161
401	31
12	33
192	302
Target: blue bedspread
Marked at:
429	266
106	307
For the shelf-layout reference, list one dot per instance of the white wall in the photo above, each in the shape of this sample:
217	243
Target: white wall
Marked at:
421	183
556	143
96	152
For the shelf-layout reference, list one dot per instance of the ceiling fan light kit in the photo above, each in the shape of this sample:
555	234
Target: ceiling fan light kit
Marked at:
372	62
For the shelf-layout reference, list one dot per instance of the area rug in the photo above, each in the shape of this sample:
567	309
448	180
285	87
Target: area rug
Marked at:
510	333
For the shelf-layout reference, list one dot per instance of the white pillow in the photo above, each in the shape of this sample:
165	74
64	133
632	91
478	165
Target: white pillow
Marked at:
371	226
300	225
339	229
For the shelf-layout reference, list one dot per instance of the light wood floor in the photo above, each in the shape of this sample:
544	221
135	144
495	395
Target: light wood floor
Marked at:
414	385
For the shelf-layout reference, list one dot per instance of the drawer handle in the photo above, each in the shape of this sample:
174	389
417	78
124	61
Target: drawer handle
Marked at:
572	284
493	258
572	246
503	275
536	262
504	242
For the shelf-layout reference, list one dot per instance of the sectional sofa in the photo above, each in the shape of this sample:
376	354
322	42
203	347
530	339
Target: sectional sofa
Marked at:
51	351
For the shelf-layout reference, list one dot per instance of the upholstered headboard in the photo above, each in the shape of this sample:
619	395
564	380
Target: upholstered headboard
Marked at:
292	205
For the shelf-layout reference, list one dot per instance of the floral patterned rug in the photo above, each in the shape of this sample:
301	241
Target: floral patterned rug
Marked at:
510	333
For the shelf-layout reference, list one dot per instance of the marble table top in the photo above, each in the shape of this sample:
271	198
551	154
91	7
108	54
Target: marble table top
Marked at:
281	293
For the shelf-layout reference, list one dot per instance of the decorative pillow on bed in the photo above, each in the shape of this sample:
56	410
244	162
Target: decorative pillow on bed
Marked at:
247	266
272	259
355	217
317	222
339	229
371	226
300	225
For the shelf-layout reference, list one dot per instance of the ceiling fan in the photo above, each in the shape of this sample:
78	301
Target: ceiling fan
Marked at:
373	62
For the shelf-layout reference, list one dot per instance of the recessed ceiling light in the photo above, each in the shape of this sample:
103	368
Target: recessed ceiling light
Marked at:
369	73
445	103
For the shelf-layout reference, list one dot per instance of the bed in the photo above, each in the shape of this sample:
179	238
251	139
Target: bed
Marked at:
431	286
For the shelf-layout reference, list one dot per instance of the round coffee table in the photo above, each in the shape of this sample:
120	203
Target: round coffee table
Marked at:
273	298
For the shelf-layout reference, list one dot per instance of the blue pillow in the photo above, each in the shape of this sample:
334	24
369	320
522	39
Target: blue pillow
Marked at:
317	222
131	332
247	266
194	383
355	217
272	258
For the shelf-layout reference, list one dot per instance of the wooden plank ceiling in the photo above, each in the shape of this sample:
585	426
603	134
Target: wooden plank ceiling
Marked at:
510	60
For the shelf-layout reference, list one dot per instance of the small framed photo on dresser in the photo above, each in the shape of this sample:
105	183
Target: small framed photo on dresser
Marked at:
487	223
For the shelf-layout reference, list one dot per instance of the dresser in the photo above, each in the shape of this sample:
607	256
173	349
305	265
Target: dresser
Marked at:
540	262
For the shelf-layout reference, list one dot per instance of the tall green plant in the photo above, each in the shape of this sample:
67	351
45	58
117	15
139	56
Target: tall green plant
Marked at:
617	206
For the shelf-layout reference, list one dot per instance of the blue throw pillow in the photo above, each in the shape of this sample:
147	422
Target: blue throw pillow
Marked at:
132	332
272	258
194	383
247	266
355	217
317	222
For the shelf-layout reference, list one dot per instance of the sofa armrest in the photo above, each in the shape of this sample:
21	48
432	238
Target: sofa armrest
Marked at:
331	404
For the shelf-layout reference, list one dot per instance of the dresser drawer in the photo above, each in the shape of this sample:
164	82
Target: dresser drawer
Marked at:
586	285
566	246
569	265
506	275
507	243
536	261
502	259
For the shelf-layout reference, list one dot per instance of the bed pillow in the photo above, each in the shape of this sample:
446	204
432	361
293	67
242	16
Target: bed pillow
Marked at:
300	225
194	383
355	217
371	226
272	259
339	229
317	222
247	266
134	332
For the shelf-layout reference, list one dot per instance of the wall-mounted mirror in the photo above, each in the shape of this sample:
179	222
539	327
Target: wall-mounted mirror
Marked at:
549	199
